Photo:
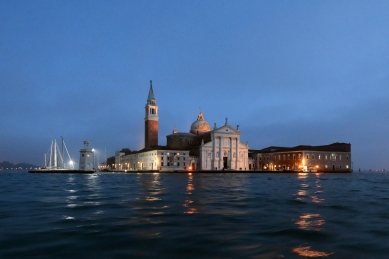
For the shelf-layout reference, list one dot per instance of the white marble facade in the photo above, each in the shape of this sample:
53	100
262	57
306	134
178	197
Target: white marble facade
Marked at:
224	151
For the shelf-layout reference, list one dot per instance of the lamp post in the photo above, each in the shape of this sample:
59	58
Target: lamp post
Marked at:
95	158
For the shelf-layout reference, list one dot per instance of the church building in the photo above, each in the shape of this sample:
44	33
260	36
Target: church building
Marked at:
199	149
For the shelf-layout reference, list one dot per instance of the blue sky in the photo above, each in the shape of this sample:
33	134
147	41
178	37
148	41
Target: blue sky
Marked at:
288	72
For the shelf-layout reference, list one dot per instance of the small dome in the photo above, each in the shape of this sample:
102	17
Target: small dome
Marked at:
200	126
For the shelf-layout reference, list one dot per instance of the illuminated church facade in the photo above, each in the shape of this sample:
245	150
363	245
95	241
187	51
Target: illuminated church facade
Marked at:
202	148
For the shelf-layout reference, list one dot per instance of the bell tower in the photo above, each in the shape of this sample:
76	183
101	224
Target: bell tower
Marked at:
151	119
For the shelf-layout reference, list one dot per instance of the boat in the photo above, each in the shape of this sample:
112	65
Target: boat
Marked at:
56	161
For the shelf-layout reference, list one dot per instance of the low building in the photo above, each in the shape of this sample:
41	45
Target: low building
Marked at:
158	158
335	157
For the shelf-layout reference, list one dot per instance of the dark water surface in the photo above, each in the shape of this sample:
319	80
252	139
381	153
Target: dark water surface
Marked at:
194	216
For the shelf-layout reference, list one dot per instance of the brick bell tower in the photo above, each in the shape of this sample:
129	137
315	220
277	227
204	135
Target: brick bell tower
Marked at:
151	120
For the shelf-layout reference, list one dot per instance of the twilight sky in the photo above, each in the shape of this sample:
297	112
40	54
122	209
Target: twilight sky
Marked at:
288	72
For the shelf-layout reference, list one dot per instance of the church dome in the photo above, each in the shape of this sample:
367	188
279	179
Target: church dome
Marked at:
200	126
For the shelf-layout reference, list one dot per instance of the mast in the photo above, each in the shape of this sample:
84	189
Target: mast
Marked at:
51	154
62	155
55	153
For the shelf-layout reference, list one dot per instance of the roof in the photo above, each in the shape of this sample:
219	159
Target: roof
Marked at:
151	92
334	147
156	148
182	134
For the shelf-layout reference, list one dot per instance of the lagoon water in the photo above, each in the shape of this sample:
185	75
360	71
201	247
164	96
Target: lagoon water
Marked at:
199	215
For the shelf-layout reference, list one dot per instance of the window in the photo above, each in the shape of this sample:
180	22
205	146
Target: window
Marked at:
326	157
299	156
294	157
313	157
260	158
307	156
346	157
283	157
279	157
319	157
288	156
326	166
340	157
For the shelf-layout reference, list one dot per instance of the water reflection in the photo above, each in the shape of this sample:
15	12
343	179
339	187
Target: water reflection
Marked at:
311	222
308	252
151	184
71	199
189	208
149	206
315	198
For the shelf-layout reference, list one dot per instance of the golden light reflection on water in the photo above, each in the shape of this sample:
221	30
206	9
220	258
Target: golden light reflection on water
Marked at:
308	252
302	175
311	222
189	209
316	199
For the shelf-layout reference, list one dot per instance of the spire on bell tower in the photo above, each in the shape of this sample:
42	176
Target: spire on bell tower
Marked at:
151	98
151	119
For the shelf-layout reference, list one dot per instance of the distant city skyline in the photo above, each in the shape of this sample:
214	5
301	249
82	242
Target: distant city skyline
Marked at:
287	72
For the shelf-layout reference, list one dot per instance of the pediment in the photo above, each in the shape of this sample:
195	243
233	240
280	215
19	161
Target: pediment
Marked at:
227	129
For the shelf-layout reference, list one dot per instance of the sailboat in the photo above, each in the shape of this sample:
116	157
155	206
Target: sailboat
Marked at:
55	162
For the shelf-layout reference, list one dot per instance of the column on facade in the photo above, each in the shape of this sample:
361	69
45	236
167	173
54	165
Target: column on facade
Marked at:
230	155
204	162
220	153
213	158
236	153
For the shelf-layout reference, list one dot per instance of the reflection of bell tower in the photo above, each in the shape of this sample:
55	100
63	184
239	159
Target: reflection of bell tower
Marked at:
151	120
